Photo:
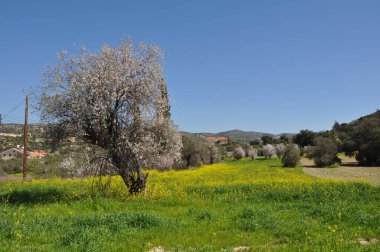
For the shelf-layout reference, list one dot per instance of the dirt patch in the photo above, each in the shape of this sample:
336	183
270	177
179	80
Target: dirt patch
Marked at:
158	249
240	248
14	178
348	173
364	241
8	178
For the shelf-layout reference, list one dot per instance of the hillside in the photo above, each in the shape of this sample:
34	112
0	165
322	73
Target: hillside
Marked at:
244	136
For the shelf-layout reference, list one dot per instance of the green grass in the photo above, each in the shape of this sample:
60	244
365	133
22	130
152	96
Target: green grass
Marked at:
238	203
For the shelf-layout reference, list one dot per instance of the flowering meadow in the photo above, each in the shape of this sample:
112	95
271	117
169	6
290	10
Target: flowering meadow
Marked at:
255	205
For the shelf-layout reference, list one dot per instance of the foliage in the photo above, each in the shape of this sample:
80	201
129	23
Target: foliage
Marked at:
280	149
267	140
269	151
361	138
255	143
291	156
252	153
11	166
308	151
304	138
164	162
239	153
284	139
115	99
215	153
197	151
324	152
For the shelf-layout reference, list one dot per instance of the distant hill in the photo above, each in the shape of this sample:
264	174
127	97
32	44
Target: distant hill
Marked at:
243	136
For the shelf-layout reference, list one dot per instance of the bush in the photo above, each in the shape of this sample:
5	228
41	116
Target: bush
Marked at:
291	157
239	153
197	151
324	152
11	166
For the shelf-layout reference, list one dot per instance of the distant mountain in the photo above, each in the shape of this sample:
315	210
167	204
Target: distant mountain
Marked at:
244	136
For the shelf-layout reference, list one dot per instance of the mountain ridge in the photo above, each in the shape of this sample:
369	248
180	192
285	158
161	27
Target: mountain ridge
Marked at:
241	135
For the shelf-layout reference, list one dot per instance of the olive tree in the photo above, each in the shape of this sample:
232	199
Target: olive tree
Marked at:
117	100
324	152
291	156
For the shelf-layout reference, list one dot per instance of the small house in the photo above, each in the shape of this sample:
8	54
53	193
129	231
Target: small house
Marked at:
11	154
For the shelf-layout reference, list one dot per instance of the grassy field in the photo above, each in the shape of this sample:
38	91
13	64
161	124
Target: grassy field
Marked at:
255	205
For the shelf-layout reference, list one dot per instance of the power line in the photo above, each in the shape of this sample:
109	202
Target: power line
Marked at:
16	107
19	121
8	123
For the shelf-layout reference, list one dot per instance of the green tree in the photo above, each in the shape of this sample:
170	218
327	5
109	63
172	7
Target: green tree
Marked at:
324	152
267	140
365	139
304	138
292	156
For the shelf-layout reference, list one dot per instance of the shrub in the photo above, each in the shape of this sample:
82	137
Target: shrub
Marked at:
239	153
197	150
11	166
324	152
291	156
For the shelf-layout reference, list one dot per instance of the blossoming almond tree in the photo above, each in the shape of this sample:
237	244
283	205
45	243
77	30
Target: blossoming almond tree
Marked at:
115	99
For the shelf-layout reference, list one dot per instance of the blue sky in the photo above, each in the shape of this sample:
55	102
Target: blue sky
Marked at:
272	66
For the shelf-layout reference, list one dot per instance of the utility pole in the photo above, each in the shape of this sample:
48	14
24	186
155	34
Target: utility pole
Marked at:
25	158
1	118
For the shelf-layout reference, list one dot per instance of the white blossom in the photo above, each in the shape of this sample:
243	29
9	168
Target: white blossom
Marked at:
269	151
115	99
252	153
239	153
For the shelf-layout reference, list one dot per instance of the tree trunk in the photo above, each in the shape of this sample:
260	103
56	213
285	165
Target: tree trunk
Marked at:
135	181
138	182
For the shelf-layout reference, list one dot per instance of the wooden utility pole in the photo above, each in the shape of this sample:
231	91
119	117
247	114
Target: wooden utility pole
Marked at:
25	158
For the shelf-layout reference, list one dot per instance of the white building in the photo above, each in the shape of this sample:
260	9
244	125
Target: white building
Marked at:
11	153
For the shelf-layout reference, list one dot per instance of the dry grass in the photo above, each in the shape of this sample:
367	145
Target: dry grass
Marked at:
7	178
349	171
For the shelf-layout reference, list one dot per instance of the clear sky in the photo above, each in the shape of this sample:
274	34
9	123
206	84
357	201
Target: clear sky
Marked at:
272	66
